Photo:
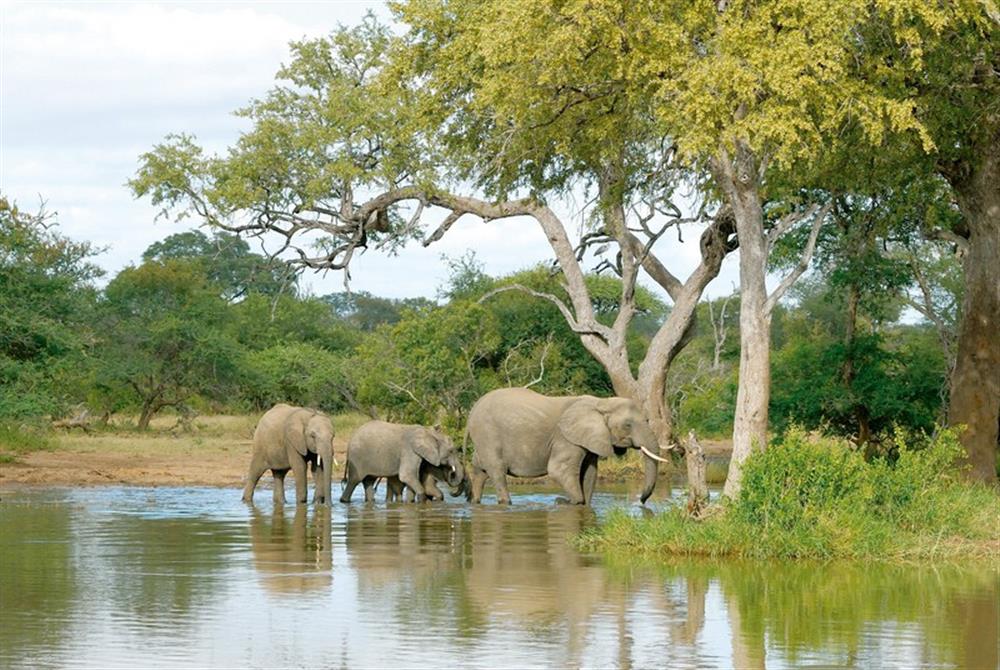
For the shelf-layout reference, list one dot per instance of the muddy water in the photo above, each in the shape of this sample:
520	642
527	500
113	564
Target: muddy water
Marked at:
125	577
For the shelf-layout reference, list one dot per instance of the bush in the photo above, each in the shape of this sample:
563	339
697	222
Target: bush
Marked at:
809	497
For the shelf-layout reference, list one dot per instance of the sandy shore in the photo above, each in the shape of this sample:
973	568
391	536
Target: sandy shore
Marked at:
216	453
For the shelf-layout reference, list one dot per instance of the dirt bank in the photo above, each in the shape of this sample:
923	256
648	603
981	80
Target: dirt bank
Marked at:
216	453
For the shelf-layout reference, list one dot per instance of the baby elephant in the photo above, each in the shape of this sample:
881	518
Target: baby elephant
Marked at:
381	449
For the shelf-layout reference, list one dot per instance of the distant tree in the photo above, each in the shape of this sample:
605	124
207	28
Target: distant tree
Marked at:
297	373
227	261
260	322
165	338
47	300
366	312
431	366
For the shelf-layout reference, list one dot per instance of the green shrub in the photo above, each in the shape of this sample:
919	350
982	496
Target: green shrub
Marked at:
818	498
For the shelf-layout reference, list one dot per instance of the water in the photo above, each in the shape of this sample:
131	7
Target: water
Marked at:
166	577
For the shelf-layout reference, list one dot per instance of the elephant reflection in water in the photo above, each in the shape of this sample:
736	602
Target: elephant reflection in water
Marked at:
292	556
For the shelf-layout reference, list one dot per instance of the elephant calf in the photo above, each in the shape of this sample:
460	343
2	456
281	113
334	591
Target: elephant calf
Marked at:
409	454
290	438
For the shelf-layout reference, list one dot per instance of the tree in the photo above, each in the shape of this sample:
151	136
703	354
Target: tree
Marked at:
226	260
47	299
165	337
755	91
365	133
959	101
429	366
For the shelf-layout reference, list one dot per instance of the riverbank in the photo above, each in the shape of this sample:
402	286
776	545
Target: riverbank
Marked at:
817	498
215	451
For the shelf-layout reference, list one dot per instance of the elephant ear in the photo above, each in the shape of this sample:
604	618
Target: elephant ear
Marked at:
295	431
424	445
584	425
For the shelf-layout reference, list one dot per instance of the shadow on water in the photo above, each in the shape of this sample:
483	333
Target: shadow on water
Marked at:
180	577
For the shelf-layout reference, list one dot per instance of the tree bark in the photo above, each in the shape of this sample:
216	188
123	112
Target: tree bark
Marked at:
975	381
754	390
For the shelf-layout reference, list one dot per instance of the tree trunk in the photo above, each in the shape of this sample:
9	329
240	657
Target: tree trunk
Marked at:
975	381
754	391
861	414
148	410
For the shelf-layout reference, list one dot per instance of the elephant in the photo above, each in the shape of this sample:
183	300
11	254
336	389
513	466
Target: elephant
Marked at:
518	432
290	438
404	451
430	475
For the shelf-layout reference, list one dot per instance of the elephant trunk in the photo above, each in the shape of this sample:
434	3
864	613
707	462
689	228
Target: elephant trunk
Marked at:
324	475
456	477
651	450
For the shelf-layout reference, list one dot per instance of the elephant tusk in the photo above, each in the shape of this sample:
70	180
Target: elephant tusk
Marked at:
654	456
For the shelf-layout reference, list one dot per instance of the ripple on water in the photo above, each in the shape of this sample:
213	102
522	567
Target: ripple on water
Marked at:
125	577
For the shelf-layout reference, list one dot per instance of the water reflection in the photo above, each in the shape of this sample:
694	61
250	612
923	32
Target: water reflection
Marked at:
292	557
181	577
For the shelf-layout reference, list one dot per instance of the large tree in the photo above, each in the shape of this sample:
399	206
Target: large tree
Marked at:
958	99
762	93
364	134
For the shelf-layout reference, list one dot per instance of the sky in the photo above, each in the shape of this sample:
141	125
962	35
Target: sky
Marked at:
87	87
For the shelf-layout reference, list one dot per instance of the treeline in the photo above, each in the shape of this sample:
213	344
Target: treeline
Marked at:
204	324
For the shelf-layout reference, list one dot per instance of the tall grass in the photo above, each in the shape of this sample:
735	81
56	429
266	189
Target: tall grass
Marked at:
818	498
17	440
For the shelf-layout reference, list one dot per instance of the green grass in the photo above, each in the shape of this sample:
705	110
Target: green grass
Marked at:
17	440
817	498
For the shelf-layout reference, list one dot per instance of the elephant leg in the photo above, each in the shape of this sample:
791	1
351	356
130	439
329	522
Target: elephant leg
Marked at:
301	488
279	486
431	489
499	478
408	495
588	477
477	477
565	466
349	486
369	483
257	469
411	478
393	489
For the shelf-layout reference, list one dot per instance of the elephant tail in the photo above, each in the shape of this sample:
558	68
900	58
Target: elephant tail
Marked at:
347	465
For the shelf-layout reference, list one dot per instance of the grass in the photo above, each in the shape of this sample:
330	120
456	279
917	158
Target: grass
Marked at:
817	498
17	440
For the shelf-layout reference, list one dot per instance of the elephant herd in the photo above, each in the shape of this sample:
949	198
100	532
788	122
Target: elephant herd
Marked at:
513	431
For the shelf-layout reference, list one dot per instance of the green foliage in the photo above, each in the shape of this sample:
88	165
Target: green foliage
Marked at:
166	337
431	366
297	373
806	497
46	310
261	321
227	261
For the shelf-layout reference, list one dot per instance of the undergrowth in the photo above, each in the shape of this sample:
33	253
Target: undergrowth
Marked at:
17	440
808	497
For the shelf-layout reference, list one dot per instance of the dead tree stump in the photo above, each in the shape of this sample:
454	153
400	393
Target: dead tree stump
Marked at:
697	485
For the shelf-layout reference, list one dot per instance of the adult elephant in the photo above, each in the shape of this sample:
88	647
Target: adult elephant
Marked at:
290	438
391	450
525	434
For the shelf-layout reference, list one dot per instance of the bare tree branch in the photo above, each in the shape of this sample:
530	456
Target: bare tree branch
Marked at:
591	328
804	259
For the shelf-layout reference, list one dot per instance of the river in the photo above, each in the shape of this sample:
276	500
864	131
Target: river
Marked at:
167	577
